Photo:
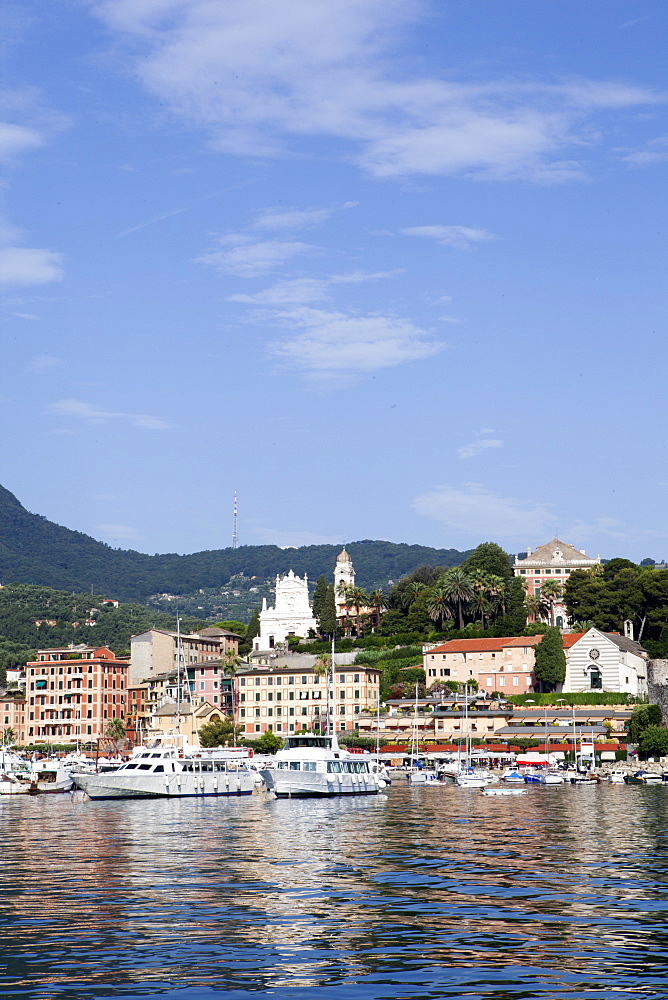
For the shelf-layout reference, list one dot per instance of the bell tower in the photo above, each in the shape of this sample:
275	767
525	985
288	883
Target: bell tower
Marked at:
343	572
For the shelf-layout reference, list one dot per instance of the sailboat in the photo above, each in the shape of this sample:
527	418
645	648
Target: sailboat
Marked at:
469	776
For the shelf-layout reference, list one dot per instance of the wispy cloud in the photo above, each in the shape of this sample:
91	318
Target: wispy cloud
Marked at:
80	410
150	222
18	139
336	345
292	291
295	218
475	512
260	76
119	532
26	266
654	151
44	363
459	237
475	447
252	259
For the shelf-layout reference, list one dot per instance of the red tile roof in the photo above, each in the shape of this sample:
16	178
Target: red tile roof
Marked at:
496	645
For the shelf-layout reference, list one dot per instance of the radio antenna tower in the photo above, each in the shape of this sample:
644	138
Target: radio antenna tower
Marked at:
235	537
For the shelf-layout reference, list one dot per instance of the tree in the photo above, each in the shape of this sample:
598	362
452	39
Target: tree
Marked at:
327	621
221	733
551	592
319	597
412	592
322	664
269	742
642	717
115	729
378	602
233	626
515	618
252	630
438	605
458	588
550	667
653	742
8	736
491	559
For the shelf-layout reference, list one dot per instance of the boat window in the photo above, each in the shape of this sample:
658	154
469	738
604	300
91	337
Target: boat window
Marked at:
295	765
129	767
144	767
156	755
309	765
334	765
159	767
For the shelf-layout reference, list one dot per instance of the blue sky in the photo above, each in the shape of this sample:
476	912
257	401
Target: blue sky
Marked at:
389	269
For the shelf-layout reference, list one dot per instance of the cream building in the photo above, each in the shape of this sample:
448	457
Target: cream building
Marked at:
156	650
287	699
291	614
504	665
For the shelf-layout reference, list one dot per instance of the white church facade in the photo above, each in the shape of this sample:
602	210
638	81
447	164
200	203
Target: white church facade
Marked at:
291	614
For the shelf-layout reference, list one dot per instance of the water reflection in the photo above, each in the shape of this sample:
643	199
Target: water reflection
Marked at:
425	892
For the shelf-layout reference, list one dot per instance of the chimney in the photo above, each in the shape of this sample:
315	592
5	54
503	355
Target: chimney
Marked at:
528	551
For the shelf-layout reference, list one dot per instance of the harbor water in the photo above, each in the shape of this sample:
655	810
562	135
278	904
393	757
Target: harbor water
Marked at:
423	892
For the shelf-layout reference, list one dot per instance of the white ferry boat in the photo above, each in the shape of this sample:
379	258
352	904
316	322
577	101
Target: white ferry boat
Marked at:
318	766
162	773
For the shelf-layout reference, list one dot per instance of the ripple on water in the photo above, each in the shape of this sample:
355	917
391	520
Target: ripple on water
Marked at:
420	893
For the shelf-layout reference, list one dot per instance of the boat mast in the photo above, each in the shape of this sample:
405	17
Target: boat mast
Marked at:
330	690
178	675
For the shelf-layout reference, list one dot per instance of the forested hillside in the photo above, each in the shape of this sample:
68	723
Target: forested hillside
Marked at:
37	551
39	617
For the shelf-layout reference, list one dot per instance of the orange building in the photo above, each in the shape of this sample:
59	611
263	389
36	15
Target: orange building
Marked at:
74	692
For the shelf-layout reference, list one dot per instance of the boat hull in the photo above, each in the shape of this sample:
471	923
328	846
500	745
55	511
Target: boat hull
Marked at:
170	786
314	784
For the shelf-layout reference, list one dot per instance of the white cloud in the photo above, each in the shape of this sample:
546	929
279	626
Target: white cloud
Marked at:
292	291
26	266
92	414
258	75
474	511
44	363
336	345
294	218
250	260
475	447
460	237
17	139
655	151
119	532
358	277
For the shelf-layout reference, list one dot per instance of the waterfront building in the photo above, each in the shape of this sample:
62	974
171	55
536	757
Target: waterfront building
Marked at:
553	561
287	699
74	692
14	716
209	682
606	661
155	651
504	665
290	615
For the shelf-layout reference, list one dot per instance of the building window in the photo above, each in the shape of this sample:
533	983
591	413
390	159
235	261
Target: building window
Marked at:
257	729
257	713
502	681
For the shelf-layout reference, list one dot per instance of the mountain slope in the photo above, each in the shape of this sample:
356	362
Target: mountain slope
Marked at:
37	551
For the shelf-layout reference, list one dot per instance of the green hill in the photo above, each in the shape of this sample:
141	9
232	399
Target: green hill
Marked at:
36	551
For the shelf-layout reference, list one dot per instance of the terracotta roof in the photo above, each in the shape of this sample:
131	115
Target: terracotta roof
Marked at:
570	638
523	640
469	646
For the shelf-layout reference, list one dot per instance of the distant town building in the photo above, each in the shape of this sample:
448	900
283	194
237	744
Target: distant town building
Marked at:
553	561
155	651
287	699
74	691
291	614
504	665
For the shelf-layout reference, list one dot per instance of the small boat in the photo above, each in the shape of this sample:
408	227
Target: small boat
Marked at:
474	778
513	777
23	777
643	778
504	791
421	777
616	777
162	773
551	777
312	765
533	777
585	778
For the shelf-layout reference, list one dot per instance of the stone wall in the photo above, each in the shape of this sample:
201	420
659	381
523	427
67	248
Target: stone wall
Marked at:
657	686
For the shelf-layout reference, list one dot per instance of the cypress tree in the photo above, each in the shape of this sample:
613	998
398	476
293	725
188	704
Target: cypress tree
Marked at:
327	620
550	666
253	627
319	597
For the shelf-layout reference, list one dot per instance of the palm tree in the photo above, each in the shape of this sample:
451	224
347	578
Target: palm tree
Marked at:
480	604
411	593
497	590
360	600
322	663
583	626
438	605
458	588
550	593
378	601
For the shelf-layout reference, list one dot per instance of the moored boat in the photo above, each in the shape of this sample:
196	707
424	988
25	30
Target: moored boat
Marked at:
316	766
643	778
616	777
162	773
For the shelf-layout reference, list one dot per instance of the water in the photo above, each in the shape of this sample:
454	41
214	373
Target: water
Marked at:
421	893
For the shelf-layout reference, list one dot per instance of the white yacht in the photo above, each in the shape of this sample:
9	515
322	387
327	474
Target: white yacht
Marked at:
317	766
162	773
